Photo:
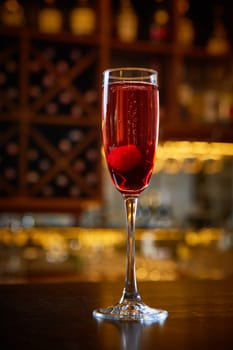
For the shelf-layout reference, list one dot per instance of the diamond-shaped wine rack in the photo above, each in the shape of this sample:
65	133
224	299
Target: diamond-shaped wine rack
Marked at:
49	121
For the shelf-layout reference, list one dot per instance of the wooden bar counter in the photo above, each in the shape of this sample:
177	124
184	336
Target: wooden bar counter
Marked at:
59	316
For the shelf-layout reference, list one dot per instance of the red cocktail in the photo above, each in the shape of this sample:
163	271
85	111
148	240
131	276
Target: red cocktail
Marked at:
130	133
130	123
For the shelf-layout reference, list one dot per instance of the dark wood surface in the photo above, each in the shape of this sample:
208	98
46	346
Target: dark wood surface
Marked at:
59	316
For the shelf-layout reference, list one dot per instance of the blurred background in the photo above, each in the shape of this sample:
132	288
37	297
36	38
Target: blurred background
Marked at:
60	216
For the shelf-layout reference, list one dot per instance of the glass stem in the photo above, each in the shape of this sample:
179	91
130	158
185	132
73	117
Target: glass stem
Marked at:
130	291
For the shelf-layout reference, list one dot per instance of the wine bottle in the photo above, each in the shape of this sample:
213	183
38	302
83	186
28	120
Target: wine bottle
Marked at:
127	22
186	30
83	18
50	18
218	43
12	14
159	27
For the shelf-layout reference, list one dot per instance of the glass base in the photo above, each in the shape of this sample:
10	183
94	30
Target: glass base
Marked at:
131	311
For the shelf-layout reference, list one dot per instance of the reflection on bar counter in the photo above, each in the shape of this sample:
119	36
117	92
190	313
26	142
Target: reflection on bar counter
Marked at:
184	226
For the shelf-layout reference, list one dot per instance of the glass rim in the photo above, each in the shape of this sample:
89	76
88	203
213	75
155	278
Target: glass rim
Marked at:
148	72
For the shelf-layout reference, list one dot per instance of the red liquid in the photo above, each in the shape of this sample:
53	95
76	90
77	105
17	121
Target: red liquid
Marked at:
130	133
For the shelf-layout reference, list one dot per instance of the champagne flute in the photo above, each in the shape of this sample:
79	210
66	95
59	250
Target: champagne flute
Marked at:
130	127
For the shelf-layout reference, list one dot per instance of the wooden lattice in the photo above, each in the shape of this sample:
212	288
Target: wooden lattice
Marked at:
49	123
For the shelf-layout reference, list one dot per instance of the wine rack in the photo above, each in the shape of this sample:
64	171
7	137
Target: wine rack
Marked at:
49	116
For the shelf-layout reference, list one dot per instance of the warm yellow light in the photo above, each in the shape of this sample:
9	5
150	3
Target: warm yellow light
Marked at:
191	157
188	149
